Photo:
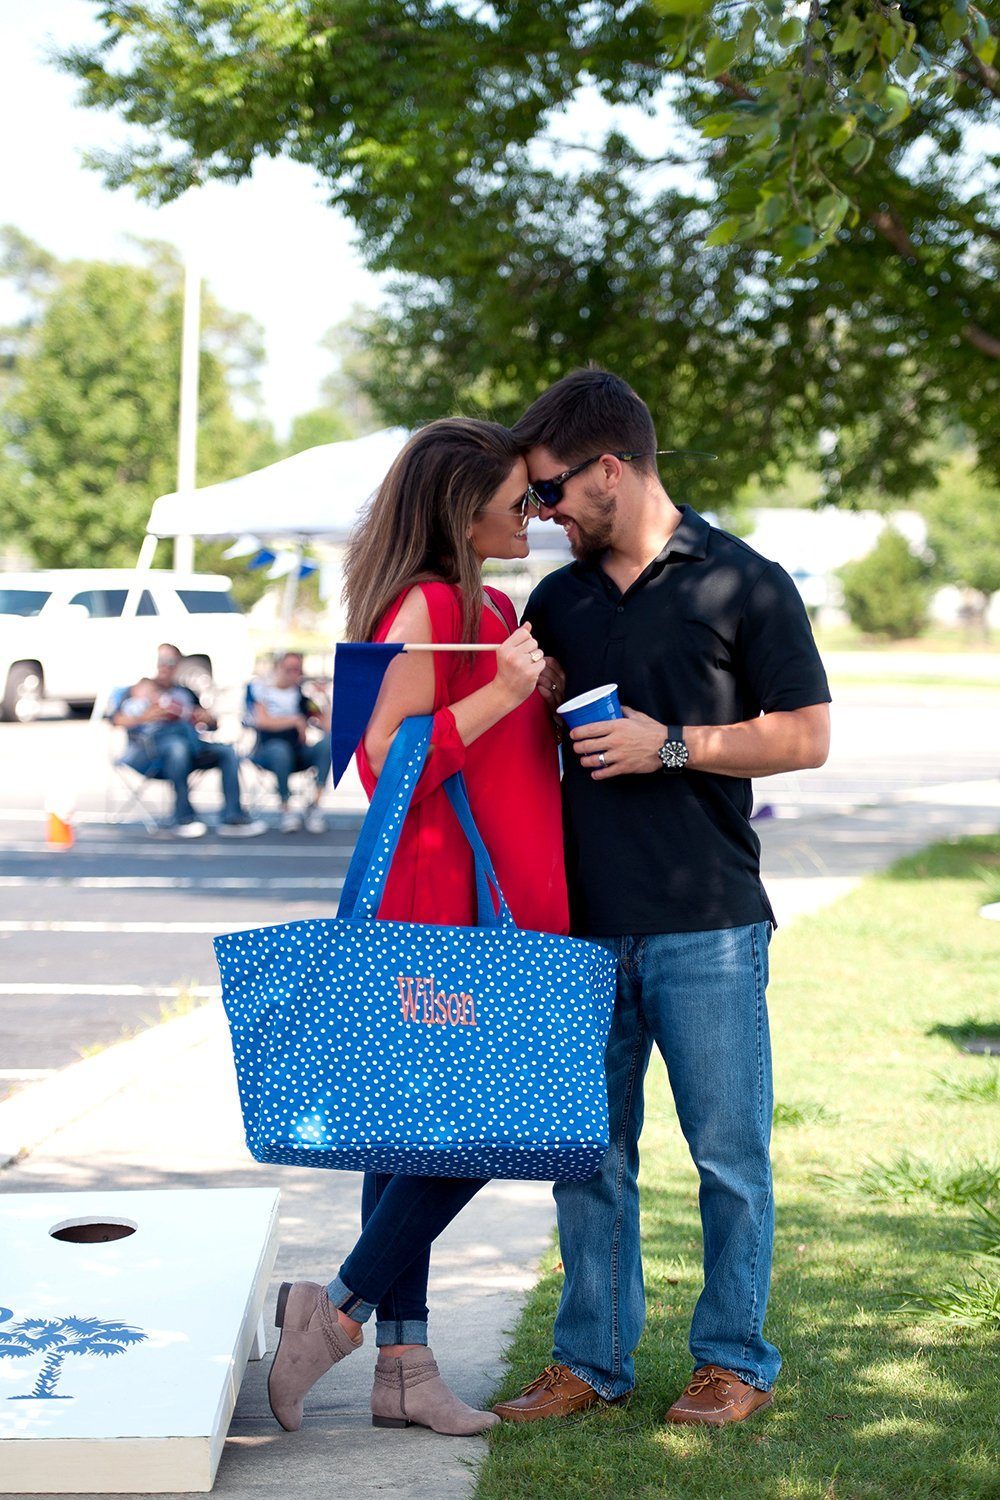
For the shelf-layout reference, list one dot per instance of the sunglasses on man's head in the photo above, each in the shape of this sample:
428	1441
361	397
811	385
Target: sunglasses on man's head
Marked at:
549	492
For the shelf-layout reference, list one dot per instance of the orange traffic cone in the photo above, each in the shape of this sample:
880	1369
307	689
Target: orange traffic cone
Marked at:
59	827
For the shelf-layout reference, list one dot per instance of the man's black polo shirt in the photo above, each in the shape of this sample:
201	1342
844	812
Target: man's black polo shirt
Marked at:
710	633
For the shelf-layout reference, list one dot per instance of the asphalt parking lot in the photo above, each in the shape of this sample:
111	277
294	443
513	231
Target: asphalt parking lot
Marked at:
96	939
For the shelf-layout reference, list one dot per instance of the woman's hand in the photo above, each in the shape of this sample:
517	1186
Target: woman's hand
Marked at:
552	683
520	663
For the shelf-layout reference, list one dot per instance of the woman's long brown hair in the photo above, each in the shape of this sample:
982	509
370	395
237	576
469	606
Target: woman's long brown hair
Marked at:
415	526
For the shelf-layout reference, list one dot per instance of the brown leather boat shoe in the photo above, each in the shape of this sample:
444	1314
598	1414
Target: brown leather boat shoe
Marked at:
714	1396
556	1393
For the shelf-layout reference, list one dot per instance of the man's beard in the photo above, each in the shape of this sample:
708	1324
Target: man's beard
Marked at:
593	538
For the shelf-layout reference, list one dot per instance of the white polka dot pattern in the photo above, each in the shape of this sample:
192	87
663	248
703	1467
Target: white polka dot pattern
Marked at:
447	1051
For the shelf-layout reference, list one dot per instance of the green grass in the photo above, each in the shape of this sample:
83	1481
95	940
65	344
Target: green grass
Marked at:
967	1304
883	1294
970	1088
984	1231
905	1179
802	1114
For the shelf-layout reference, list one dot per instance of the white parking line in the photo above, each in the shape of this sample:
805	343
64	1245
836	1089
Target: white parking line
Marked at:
175	882
112	927
154	992
163	849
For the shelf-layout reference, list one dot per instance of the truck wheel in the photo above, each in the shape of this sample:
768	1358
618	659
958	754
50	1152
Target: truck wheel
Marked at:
24	693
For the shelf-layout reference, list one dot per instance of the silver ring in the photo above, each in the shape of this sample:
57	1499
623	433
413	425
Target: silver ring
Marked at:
537	655
600	757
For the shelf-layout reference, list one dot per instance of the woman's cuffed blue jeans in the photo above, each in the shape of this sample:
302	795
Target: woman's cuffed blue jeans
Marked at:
700	996
386	1272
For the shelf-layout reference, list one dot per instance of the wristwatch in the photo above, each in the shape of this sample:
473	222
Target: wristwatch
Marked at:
673	752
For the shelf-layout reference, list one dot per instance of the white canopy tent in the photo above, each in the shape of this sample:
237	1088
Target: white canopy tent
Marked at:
318	493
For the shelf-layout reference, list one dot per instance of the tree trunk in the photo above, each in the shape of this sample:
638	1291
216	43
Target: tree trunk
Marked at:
48	1375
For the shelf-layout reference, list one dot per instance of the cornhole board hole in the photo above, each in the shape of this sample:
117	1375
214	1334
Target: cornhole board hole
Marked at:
126	1323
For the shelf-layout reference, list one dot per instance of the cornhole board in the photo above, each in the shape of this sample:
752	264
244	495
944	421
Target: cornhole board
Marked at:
121	1357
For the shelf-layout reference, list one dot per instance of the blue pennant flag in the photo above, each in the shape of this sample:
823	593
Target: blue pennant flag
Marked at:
358	669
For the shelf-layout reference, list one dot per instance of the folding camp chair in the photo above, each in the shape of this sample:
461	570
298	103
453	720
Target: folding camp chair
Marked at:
143	792
259	785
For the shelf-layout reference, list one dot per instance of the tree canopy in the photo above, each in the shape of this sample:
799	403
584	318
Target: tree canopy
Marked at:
89	402
802	267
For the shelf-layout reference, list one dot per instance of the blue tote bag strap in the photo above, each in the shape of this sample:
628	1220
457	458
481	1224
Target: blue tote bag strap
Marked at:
459	797
384	820
379	836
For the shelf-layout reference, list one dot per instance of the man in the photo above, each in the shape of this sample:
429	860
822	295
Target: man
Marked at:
281	713
720	681
163	724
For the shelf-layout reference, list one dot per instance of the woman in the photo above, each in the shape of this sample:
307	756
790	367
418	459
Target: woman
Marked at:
456	495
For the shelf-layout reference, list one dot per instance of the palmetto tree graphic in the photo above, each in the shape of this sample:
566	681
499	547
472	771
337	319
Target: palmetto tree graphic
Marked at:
56	1338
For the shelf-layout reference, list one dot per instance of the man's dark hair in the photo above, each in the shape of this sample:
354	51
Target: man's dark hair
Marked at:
586	413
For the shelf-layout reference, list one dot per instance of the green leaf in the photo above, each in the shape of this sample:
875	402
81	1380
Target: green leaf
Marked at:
747	33
906	64
796	244
719	56
890	42
953	25
683	7
830	211
724	233
775	209
894	99
800	236
843	133
858	150
791	32
742	199
719	124
847	38
988	51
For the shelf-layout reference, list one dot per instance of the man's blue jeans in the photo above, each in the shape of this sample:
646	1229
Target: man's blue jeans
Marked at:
173	753
700	996
279	756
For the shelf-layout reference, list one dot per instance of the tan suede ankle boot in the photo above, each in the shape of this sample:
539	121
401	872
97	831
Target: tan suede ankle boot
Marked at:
311	1342
409	1390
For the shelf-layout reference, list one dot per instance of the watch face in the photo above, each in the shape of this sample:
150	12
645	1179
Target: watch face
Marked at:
674	755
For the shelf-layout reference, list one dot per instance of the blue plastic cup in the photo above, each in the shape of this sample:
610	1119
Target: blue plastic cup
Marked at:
595	707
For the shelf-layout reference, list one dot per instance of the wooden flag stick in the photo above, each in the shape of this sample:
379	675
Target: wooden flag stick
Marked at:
435	646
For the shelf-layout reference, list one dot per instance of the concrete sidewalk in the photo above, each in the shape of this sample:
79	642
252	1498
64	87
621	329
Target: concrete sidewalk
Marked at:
161	1111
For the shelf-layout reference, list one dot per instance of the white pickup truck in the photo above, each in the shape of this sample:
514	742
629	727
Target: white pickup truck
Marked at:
62	634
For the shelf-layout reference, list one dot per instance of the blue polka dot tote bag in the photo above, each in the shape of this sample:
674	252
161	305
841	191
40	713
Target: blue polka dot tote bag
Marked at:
404	1047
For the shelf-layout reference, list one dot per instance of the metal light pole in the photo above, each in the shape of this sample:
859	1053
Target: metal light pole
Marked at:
187	434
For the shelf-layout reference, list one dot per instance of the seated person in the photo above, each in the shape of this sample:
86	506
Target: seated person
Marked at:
163	718
281	713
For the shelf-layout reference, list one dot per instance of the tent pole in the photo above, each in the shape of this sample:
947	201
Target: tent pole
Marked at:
187	433
289	593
